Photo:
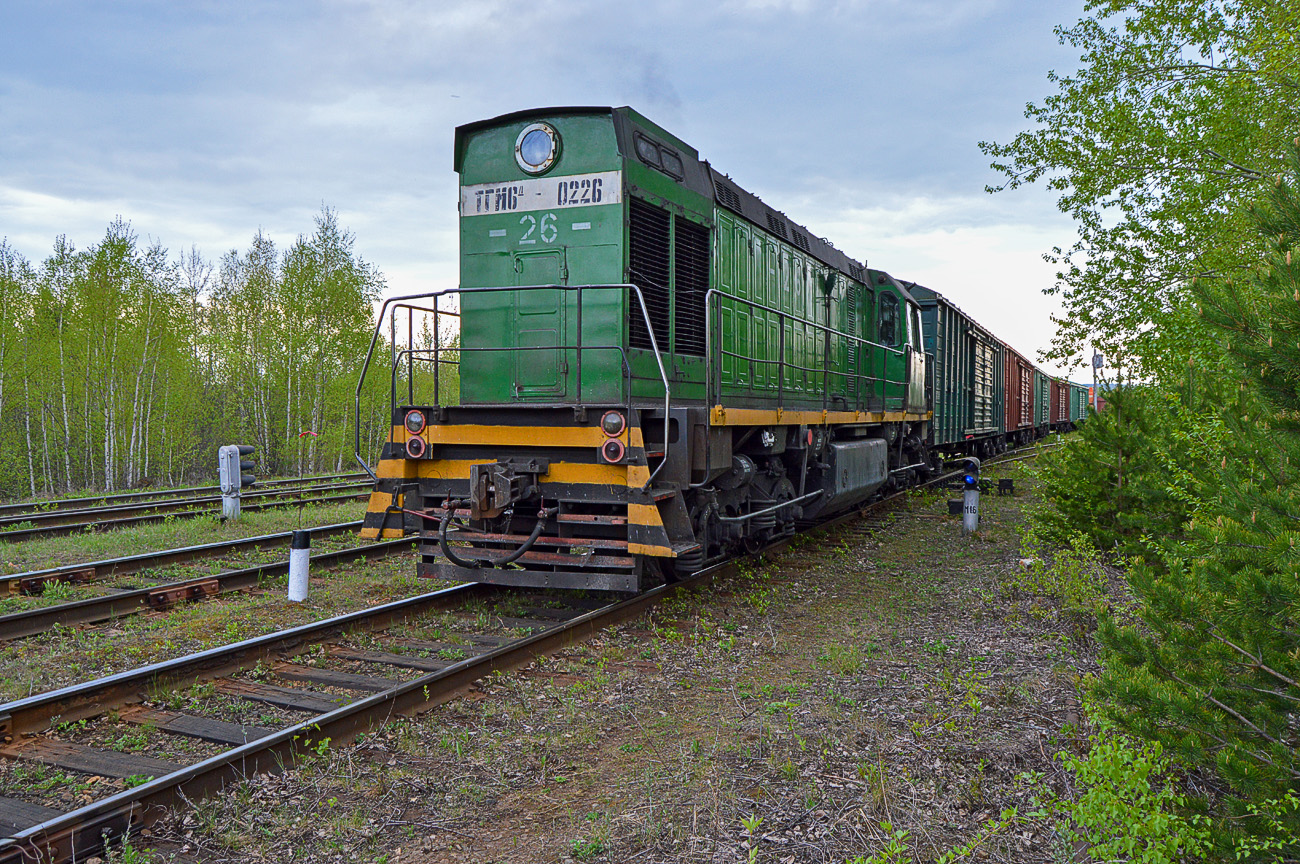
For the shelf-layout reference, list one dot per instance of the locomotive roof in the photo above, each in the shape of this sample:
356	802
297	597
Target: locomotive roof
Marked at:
707	181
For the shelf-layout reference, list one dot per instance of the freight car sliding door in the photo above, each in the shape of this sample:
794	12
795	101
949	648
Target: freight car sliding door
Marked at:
983	415
1026	396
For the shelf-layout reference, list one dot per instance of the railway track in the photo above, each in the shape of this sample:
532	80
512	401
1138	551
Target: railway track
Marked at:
390	674
19	528
34	581
119	603
21	507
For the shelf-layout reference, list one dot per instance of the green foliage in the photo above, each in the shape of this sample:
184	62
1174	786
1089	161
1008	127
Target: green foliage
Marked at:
1211	668
290	334
842	659
1125	807
1154	146
121	365
126	853
895	850
1130	470
1073	574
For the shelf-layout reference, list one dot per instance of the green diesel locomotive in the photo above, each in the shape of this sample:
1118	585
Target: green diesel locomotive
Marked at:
656	369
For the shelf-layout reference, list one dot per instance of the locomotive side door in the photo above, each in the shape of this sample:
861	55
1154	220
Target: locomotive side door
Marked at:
540	368
891	334
916	362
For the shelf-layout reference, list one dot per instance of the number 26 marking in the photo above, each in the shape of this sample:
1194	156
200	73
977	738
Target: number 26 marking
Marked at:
547	231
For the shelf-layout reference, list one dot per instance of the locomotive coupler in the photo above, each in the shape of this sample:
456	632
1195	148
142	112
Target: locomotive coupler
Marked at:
495	487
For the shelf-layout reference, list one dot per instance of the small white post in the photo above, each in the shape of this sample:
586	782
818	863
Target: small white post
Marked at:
970	511
299	558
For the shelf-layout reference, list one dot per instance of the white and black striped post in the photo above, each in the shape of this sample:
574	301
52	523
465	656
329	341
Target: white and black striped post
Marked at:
299	558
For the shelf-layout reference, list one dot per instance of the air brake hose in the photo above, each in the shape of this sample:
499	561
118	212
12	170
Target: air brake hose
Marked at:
474	564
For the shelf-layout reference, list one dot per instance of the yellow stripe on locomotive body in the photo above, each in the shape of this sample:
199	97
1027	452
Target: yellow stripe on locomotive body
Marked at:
723	416
615	483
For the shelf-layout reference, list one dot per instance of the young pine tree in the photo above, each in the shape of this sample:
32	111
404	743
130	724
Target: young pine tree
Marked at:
1213	672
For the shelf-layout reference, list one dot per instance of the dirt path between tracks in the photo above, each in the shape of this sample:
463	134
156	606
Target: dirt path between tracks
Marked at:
851	693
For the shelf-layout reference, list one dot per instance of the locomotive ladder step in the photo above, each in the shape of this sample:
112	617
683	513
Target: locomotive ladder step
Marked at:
592	518
589	579
549	558
662	494
516	539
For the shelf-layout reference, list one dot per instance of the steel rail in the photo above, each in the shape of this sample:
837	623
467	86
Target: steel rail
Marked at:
129	564
62	517
140	495
92	610
33	714
23	534
82	831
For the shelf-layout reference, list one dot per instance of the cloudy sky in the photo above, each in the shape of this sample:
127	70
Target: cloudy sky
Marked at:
202	122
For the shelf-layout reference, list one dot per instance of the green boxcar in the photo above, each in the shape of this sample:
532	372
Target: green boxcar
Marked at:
968	368
1042	401
1078	403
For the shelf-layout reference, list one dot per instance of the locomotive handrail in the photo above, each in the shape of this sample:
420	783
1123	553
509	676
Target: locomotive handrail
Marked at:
410	332
422	354
402	302
714	388
361	379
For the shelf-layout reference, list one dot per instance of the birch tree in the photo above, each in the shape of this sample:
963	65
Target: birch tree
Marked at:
1173	126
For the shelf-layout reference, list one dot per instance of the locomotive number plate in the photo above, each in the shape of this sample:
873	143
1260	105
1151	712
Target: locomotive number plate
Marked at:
542	193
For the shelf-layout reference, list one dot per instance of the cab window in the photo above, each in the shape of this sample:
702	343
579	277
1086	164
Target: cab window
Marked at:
888	329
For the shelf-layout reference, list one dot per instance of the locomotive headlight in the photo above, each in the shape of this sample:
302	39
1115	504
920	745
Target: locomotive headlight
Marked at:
537	148
415	447
612	450
414	422
613	424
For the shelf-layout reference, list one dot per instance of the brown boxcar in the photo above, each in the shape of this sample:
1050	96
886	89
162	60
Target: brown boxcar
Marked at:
1019	382
1060	416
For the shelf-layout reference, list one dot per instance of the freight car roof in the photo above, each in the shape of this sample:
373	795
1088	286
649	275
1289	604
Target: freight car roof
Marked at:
923	294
